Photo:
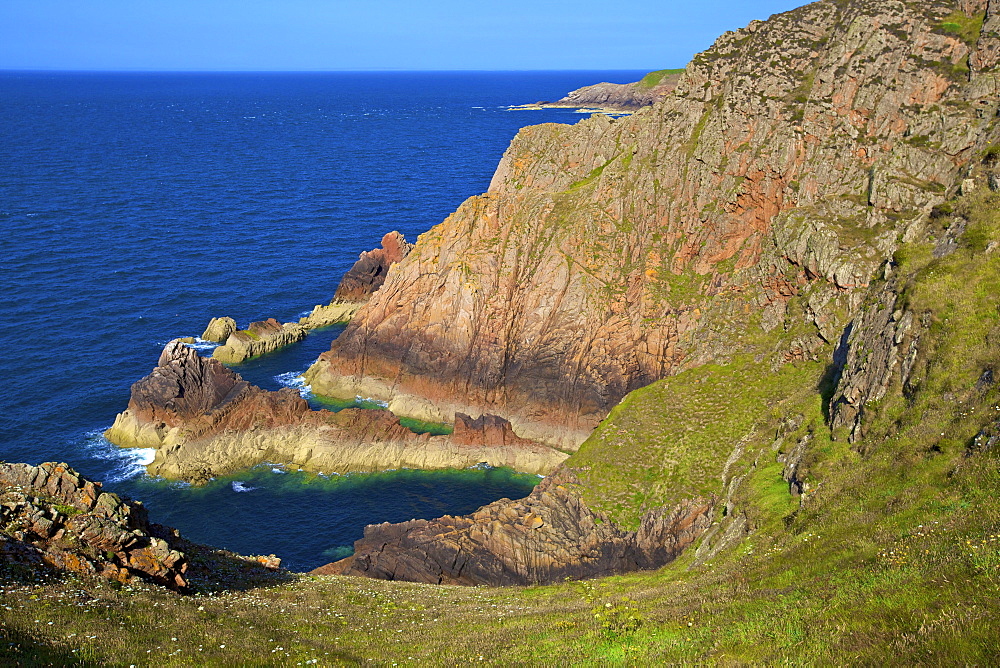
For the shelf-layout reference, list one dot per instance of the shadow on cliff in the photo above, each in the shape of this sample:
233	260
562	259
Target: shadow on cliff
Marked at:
827	386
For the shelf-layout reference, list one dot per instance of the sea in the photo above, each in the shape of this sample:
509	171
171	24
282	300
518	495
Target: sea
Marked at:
134	207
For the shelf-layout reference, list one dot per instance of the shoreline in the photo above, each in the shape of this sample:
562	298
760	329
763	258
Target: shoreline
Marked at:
588	109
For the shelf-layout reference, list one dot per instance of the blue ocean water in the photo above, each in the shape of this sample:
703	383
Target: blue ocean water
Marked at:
134	207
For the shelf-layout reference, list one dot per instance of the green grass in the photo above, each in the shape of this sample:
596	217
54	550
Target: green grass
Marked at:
966	27
654	79
671	440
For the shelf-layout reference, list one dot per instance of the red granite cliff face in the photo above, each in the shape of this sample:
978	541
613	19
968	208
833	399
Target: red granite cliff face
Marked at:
368	273
789	163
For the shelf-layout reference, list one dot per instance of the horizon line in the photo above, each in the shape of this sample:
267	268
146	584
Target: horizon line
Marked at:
316	71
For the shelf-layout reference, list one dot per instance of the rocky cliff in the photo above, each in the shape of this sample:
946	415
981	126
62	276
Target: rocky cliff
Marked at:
204	420
750	223
761	196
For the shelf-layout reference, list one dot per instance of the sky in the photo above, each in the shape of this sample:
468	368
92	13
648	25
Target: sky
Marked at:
306	35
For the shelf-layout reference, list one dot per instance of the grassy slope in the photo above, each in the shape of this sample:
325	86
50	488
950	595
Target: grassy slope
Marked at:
894	556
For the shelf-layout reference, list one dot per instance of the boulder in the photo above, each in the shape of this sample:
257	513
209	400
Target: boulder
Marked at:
219	329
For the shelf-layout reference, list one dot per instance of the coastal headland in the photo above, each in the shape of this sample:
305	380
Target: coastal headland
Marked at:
756	323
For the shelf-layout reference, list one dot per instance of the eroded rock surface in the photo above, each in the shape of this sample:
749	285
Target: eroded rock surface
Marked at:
51	515
548	536
261	337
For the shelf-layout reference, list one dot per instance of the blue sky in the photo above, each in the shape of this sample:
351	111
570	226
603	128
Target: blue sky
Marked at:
366	34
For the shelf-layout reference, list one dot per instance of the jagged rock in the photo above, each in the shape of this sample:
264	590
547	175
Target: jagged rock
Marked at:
52	515
204	420
369	272
549	536
219	329
261	337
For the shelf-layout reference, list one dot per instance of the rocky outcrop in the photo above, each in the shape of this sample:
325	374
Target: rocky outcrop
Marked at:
188	396
549	536
266	336
219	329
761	195
261	337
624	97
52	516
334	313
878	351
204	420
369	272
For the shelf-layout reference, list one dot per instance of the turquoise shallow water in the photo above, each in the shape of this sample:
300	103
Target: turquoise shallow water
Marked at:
134	207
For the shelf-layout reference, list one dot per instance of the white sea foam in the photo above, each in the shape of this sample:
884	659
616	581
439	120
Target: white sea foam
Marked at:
201	345
378	402
240	486
128	462
297	380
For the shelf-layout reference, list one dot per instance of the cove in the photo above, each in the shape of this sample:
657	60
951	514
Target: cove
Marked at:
309	520
137	206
